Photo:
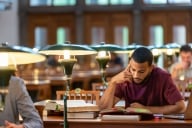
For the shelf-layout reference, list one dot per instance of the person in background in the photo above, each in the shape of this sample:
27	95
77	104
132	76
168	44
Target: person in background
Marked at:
115	64
182	69
18	102
143	85
115	60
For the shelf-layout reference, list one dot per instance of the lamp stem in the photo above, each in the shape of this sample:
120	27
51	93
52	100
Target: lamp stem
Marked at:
102	64
67	65
103	77
66	124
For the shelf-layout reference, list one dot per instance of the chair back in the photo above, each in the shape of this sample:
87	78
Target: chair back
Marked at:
88	95
99	87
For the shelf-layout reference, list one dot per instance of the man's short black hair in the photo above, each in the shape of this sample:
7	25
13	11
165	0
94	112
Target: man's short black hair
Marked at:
185	48
142	54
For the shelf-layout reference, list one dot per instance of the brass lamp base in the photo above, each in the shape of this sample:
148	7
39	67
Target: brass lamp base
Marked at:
103	65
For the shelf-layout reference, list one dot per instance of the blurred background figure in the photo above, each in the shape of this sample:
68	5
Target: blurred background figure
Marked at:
54	68
183	67
181	71
52	61
115	64
115	61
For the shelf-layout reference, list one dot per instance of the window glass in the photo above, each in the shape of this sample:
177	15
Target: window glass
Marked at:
62	35
63	2
121	35
179	34
116	2
40	37
96	2
107	2
122	39
40	2
156	35
155	1
52	2
179	1
5	4
156	38
97	34
167	1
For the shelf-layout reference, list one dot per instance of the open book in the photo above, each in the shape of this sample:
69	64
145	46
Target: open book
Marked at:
126	114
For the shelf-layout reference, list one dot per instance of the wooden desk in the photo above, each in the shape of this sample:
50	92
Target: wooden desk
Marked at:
55	122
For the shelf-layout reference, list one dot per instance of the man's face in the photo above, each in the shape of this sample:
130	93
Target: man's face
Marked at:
139	71
186	58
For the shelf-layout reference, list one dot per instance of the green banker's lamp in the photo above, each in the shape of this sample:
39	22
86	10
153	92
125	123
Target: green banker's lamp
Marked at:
171	50
156	51
10	57
103	57
131	47
67	53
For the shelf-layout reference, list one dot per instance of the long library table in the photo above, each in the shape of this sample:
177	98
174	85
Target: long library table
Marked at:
57	122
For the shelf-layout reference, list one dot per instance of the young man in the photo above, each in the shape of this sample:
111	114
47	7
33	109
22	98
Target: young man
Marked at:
142	85
18	102
183	68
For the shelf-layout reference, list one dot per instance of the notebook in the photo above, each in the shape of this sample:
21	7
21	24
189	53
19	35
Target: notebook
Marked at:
187	115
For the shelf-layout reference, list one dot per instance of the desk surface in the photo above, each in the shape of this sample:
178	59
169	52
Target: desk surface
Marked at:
56	122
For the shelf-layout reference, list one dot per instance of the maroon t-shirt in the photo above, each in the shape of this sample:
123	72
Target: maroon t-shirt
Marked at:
157	90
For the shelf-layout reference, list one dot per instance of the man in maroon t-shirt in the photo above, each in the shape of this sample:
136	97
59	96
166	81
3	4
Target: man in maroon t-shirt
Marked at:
142	85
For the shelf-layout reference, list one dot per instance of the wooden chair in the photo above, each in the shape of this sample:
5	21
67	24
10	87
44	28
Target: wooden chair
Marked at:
88	96
98	87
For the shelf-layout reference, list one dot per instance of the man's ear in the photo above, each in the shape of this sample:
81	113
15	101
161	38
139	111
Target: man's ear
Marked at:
151	67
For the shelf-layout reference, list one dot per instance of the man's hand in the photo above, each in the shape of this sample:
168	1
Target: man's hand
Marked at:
125	75
12	125
128	75
182	65
136	105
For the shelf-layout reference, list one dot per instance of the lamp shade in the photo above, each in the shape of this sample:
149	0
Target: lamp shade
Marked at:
20	55
108	47
130	48
174	46
157	49
11	56
74	49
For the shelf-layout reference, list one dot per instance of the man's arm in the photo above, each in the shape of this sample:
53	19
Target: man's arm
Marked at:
26	108
179	107
12	125
108	100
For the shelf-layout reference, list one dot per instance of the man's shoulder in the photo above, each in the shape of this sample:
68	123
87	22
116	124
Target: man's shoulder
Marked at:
16	81
160	72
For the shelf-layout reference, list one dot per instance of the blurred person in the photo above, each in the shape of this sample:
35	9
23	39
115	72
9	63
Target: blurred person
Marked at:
183	68
115	64
115	60
18	102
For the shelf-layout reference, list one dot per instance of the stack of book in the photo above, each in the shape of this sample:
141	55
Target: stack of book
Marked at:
75	108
